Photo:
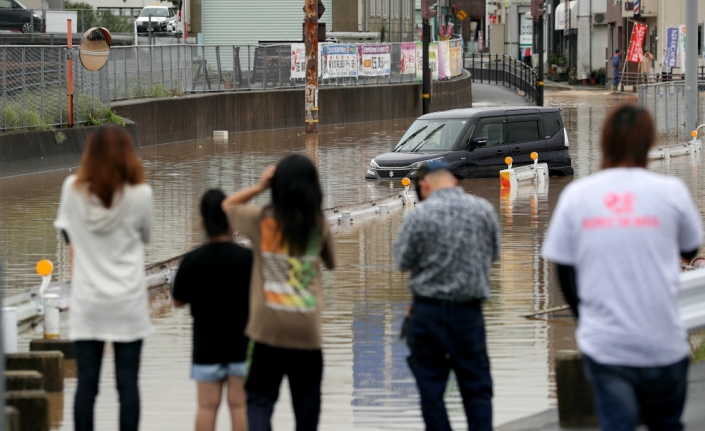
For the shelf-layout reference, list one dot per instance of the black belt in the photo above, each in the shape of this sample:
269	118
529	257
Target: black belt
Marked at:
464	303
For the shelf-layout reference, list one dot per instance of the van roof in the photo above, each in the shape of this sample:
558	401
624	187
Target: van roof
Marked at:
487	112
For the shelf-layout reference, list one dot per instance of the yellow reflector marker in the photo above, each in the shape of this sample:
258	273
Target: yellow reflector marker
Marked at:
534	155
405	182
44	267
694	133
508	160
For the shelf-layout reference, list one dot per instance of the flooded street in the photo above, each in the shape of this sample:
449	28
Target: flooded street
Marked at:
367	385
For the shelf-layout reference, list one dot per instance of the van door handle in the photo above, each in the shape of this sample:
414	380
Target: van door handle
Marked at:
516	150
500	151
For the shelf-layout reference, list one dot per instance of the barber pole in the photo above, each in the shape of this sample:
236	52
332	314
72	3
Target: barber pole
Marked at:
637	8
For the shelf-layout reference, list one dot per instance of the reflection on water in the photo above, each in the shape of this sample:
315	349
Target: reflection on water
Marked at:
367	385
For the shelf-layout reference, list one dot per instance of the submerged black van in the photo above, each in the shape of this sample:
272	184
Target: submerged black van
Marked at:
476	141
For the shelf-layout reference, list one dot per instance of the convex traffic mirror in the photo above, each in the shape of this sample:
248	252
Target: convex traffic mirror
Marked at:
95	48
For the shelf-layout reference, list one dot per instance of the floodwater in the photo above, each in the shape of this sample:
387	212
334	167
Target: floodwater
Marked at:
367	385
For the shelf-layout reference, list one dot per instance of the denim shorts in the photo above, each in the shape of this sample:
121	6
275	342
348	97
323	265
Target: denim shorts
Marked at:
217	372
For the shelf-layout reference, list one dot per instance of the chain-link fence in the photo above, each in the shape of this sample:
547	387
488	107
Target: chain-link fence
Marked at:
666	102
157	71
34	88
34	78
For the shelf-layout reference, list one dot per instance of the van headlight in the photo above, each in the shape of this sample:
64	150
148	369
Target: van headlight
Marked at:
373	165
418	164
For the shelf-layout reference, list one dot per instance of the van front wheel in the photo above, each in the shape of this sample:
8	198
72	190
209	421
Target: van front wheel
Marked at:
26	28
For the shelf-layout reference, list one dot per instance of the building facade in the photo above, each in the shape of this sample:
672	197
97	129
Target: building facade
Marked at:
394	19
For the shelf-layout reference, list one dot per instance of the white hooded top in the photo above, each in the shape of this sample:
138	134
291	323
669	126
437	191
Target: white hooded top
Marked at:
109	299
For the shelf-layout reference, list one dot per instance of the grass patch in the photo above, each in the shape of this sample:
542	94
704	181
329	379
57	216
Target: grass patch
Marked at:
697	346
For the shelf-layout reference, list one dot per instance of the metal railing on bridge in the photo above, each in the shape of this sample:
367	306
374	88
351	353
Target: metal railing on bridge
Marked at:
505	70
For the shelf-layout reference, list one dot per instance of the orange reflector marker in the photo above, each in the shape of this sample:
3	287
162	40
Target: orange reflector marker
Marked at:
508	160
44	267
694	133
405	182
534	155
504	180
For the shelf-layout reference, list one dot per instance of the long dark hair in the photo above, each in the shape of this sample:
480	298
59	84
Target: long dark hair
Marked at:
296	202
214	219
110	162
627	136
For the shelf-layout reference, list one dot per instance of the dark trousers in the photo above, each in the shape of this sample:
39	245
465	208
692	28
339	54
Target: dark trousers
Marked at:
622	394
449	336
304	370
89	357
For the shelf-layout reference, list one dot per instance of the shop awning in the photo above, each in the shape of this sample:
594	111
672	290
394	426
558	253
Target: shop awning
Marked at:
561	16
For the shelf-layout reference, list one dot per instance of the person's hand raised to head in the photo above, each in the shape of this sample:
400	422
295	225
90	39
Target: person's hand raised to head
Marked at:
266	181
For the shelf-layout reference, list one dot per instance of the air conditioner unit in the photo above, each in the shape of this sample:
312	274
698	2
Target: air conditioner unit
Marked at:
599	19
618	3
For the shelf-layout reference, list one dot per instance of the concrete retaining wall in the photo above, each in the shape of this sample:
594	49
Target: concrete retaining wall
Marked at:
30	152
191	117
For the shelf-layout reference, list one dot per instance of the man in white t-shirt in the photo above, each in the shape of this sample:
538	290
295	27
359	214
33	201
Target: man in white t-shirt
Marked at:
618	237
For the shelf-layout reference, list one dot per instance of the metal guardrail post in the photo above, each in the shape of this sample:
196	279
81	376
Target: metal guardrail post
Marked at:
4	84
217	61
24	84
41	91
161	55
139	77
151	79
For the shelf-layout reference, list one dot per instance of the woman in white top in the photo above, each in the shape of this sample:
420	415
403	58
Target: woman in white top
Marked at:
106	214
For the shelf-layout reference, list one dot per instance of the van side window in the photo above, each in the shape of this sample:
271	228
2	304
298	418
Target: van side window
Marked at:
523	131
493	131
5	4
552	123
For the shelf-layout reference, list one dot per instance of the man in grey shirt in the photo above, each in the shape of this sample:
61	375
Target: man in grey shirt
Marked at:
448	243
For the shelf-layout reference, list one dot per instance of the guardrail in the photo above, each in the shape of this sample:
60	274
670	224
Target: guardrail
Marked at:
505	70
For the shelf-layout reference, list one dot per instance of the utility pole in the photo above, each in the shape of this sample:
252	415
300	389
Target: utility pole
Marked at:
537	11
311	41
691	66
426	14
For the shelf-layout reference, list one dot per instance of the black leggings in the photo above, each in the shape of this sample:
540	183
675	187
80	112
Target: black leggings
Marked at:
89	356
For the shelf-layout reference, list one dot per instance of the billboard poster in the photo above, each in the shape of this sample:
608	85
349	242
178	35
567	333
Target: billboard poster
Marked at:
456	57
408	58
339	61
681	34
432	60
636	44
375	59
298	61
443	60
671	46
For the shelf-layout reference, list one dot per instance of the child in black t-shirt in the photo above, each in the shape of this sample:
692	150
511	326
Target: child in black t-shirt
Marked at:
215	280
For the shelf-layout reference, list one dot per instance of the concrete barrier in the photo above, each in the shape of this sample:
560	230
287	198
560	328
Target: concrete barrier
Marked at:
576	407
45	150
163	120
33	407
23	380
49	364
67	347
12	419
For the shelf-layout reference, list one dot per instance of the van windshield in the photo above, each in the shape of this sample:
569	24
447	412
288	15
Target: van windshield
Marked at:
430	135
155	11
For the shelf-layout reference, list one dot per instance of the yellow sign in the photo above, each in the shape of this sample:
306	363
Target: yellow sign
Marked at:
461	14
